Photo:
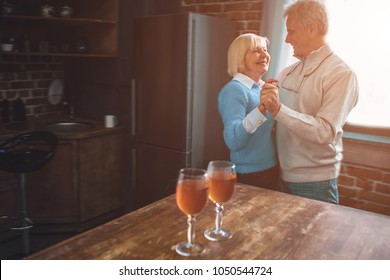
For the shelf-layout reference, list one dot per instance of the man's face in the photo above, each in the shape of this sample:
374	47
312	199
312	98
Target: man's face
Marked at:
298	37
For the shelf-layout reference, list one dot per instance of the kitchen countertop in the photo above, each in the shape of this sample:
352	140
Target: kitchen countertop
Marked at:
97	128
265	225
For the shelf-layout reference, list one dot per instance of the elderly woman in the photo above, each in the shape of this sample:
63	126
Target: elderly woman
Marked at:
248	129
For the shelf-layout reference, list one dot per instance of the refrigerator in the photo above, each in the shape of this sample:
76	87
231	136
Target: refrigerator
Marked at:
181	65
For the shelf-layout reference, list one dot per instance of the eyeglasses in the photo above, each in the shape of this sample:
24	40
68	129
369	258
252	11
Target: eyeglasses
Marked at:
295	84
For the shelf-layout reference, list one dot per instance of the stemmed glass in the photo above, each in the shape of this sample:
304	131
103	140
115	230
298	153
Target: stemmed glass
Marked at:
191	197
222	177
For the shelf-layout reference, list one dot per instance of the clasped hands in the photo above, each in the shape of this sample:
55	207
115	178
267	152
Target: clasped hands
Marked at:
269	97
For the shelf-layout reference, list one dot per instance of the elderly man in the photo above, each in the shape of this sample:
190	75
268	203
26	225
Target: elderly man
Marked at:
316	95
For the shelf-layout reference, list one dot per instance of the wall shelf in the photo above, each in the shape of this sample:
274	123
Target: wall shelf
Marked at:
59	20
63	54
95	22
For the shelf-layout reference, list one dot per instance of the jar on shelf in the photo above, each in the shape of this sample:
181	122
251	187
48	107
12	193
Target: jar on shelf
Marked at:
47	10
6	8
26	44
8	45
66	11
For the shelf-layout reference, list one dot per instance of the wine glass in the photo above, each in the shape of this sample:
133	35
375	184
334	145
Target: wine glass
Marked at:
191	197
222	177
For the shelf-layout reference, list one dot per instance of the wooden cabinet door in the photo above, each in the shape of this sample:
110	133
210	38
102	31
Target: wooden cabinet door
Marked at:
102	175
53	190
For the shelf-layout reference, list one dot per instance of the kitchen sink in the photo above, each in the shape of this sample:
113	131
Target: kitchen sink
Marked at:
68	126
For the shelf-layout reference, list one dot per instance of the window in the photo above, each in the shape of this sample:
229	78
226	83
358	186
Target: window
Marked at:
359	34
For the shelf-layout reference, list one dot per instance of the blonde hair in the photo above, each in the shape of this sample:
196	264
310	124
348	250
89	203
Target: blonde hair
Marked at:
239	47
306	11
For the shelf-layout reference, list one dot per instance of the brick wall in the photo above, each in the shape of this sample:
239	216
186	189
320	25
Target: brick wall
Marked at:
365	188
246	14
29	77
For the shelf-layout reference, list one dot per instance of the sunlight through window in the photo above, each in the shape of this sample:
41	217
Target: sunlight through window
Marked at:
359	34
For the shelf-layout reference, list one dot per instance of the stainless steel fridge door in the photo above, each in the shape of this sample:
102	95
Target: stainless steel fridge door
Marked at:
209	41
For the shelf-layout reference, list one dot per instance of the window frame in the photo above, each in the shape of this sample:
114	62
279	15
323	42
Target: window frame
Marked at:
368	130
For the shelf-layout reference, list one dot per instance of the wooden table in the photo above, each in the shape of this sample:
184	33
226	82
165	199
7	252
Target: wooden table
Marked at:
266	225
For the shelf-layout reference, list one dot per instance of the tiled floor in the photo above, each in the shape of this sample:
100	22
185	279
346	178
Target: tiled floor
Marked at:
10	248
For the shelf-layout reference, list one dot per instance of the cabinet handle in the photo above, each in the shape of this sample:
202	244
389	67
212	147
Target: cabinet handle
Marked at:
134	168
133	107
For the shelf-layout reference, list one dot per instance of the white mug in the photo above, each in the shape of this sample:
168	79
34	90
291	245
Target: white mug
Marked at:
110	121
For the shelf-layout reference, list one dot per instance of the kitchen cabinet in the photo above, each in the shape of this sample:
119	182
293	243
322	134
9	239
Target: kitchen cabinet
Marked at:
91	30
84	182
83	185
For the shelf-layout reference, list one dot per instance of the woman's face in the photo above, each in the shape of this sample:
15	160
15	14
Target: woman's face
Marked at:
256	62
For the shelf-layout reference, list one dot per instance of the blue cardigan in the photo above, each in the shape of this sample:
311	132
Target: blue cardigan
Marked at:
250	152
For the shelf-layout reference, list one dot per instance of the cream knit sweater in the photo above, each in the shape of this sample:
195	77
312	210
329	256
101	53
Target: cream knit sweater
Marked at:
317	94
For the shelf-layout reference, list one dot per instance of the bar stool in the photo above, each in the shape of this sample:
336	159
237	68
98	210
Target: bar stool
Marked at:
22	154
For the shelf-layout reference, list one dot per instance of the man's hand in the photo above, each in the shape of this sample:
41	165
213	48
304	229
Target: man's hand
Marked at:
269	97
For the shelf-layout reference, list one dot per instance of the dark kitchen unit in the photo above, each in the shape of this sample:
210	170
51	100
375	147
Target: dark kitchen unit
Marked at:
82	186
181	62
103	81
97	87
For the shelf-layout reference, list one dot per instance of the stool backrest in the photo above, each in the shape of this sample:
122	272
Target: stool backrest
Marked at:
28	151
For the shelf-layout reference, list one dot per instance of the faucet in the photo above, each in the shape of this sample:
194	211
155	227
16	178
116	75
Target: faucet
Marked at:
71	110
